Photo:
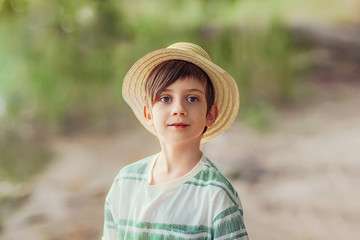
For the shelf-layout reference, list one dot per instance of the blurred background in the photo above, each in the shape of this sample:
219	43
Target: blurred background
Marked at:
65	131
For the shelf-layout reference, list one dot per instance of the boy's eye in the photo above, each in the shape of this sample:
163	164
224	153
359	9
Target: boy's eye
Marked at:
165	99
193	99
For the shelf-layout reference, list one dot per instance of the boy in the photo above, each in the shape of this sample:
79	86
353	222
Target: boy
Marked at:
184	99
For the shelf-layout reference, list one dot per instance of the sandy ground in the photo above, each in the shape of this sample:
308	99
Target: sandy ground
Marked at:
300	181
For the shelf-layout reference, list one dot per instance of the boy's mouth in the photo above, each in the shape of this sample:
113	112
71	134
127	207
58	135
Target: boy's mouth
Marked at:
179	125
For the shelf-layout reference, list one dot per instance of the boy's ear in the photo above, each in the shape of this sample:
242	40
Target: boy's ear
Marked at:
211	116
147	115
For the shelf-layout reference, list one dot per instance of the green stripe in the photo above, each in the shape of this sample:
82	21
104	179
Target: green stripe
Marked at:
109	219
179	228
239	235
109	216
212	165
231	225
227	212
154	236
213	174
110	226
213	184
130	178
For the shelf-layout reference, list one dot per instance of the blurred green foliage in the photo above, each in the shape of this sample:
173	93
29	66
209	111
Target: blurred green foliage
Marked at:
63	61
62	64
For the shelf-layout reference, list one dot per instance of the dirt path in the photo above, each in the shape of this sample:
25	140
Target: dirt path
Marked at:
298	182
307	174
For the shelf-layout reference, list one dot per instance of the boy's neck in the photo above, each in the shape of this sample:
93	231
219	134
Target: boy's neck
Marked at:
175	161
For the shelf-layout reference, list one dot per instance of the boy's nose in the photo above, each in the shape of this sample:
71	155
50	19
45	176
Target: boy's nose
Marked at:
179	109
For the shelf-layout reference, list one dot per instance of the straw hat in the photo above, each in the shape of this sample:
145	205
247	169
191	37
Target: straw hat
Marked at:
226	91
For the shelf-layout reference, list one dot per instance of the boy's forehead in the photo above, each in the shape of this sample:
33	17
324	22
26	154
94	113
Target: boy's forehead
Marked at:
186	82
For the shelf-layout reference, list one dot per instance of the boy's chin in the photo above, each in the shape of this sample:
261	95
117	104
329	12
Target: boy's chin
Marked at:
182	140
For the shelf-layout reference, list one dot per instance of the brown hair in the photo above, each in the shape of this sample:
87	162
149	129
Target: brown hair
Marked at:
166	73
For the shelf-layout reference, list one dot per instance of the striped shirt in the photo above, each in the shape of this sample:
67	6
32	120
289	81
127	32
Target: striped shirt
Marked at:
199	205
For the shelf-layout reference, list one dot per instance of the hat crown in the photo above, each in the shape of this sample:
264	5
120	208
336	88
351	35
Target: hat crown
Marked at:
190	48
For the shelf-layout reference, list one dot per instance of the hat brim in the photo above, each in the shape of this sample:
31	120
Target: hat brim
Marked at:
225	87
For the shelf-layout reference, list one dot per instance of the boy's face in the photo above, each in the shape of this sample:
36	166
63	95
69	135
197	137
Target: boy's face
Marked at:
179	114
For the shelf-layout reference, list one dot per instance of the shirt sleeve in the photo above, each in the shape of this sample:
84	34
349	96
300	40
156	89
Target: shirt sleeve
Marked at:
110	229
229	224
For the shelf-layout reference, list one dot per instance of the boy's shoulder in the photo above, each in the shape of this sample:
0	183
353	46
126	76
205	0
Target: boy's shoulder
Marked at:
211	176
211	173
137	169
139	166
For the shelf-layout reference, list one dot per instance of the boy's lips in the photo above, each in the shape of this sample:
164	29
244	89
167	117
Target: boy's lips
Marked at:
179	125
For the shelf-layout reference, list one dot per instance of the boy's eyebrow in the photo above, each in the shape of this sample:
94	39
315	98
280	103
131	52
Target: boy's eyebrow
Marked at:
189	90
